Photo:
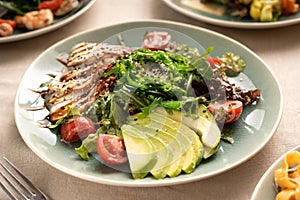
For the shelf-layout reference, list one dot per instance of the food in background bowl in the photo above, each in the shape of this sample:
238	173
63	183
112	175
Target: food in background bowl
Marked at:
287	177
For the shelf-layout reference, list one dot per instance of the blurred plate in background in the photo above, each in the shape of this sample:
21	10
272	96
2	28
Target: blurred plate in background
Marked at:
226	19
58	23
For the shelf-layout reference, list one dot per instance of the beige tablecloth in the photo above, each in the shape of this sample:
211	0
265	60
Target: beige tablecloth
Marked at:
279	48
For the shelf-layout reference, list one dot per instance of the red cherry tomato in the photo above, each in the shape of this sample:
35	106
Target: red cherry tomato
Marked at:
156	40
213	61
53	5
78	127
233	109
111	149
10	22
289	6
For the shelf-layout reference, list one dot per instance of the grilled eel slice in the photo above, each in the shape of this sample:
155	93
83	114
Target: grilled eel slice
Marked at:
80	83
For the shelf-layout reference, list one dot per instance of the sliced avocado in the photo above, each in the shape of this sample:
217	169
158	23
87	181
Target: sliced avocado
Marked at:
204	112
193	156
172	125
176	167
141	152
208	152
187	161
173	167
190	160
164	157
205	125
184	143
159	126
210	133
164	154
199	149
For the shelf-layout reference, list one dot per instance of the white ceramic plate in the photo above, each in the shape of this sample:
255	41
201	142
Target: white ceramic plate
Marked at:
230	21
23	34
265	187
253	130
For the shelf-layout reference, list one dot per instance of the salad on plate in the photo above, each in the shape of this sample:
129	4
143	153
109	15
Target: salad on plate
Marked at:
155	110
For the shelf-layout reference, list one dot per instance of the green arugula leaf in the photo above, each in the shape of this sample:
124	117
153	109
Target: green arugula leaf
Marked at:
227	135
87	146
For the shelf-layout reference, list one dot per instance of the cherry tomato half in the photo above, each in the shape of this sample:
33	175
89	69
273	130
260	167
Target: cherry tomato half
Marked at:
111	149
156	40
78	127
233	109
213	61
53	5
289	6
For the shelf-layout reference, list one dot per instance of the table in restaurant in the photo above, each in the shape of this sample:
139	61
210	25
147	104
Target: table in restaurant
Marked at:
278	47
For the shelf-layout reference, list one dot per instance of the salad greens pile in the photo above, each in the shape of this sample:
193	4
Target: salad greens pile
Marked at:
147	79
162	110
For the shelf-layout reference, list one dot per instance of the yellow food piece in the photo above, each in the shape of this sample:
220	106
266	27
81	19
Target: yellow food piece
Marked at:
287	178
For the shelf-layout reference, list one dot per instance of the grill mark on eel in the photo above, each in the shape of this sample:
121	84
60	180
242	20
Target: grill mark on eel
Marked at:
81	81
